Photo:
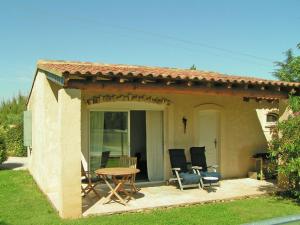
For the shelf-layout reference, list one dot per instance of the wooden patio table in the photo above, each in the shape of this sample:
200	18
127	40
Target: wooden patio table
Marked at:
119	175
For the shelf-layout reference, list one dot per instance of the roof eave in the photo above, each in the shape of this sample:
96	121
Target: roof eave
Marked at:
57	79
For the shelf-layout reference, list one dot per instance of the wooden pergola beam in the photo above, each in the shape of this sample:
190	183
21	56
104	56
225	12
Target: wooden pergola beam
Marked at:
161	88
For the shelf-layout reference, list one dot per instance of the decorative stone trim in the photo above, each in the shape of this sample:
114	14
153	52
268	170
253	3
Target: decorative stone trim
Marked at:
128	98
260	99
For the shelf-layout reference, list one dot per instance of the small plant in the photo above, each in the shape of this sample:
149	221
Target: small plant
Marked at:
260	176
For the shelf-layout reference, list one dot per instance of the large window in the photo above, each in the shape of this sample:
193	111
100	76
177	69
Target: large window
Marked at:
108	132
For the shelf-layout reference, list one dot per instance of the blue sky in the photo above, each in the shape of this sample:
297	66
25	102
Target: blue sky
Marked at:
233	37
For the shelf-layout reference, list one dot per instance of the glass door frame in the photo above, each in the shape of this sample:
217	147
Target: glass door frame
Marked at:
89	128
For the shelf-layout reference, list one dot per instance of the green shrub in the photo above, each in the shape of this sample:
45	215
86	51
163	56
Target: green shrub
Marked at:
11	119
3	153
14	141
11	110
285	147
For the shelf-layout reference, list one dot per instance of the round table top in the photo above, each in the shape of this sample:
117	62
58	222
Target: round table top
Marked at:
117	171
210	178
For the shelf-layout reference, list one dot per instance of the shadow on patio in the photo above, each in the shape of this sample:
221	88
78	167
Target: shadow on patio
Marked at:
155	196
14	163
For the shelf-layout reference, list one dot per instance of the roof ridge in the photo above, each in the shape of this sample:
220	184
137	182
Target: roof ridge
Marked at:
212	73
46	61
52	64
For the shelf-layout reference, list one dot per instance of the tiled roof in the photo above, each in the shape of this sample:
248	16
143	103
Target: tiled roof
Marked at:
63	68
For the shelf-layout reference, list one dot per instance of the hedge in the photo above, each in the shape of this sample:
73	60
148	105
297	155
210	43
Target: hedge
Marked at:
14	141
3	153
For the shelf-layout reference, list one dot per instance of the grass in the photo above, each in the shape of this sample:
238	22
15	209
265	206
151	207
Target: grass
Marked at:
112	162
21	202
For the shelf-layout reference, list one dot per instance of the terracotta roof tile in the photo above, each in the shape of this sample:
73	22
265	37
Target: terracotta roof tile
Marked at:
86	68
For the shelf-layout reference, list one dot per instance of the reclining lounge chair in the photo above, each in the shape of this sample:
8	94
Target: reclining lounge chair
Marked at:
198	158
184	178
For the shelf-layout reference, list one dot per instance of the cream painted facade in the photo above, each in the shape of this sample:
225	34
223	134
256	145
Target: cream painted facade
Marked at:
60	134
54	159
44	155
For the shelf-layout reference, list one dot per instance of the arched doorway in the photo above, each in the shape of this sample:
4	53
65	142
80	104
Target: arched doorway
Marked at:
207	131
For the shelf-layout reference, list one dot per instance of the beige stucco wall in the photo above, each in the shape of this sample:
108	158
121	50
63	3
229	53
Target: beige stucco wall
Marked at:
44	157
242	130
60	124
240	134
54	159
69	120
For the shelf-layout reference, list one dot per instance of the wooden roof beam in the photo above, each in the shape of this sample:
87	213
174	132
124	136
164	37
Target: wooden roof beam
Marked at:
147	81
169	82
108	86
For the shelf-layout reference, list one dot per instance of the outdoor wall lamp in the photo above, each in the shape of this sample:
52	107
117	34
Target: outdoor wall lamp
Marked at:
184	121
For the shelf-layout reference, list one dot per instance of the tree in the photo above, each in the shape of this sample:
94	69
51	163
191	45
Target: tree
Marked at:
285	144
11	125
11	110
289	69
285	147
193	67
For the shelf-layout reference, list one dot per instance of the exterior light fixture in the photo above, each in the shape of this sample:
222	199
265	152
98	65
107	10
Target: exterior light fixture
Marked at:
184	121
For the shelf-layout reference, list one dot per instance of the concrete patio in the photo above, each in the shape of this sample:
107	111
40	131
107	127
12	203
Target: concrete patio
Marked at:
160	195
14	163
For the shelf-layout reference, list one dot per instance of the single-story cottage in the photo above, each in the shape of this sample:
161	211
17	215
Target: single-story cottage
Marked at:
77	110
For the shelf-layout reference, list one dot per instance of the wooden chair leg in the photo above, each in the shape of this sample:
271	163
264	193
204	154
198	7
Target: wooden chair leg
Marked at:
133	188
83	191
128	195
90	187
94	190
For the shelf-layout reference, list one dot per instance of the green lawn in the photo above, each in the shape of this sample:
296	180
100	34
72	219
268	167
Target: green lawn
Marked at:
22	203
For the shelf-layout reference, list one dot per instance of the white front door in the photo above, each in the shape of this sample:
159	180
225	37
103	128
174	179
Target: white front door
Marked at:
207	134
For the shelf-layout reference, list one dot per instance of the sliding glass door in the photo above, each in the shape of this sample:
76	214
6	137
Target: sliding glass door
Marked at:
108	132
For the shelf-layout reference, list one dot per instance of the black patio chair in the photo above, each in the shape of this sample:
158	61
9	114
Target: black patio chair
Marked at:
183	176
198	158
104	159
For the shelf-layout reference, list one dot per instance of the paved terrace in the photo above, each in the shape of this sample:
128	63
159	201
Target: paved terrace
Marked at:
14	163
155	196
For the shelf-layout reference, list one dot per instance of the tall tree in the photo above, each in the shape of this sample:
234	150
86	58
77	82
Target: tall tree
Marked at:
11	110
193	67
289	69
285	145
